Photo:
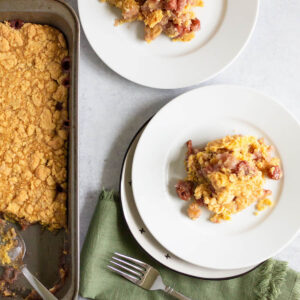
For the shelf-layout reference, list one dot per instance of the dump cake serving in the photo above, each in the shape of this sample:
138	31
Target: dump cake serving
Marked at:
34	80
227	176
174	18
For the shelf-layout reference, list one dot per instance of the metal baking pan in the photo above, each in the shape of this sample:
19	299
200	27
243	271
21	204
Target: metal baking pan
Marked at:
44	248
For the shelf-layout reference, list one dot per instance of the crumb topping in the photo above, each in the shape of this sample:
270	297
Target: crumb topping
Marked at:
33	110
8	242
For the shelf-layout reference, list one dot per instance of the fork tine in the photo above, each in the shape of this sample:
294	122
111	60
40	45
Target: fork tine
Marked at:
126	269
136	261
123	274
129	264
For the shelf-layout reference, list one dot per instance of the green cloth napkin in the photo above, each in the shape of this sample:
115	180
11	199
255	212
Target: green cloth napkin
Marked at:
108	233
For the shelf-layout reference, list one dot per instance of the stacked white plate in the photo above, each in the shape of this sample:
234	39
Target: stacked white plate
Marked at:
155	161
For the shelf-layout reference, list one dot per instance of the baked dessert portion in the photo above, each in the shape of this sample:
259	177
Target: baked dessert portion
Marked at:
228	175
174	18
34	80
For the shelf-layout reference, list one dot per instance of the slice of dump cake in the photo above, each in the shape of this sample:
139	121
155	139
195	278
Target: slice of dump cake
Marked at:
228	175
174	18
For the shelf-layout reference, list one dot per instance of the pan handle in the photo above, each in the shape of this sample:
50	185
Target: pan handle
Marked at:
37	285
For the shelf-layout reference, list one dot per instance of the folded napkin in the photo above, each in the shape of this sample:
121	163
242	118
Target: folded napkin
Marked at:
108	233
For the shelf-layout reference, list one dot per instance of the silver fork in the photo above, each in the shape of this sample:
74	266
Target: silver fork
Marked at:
141	274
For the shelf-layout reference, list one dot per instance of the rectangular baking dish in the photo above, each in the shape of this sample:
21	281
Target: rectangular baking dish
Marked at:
44	248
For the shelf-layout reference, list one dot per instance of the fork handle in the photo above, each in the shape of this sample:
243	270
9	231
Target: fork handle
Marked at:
175	294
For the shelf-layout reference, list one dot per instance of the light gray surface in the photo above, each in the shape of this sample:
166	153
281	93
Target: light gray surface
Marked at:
112	109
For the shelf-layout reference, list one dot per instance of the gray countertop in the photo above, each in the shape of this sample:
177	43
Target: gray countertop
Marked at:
112	109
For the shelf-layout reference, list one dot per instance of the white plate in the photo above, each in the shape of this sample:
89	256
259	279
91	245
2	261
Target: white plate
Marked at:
202	115
147	241
226	28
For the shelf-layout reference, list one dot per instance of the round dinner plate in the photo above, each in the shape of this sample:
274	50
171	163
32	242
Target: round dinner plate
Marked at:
203	115
145	238
226	26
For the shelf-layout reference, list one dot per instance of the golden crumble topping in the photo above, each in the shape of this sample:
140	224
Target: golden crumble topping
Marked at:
33	124
228	175
8	242
174	18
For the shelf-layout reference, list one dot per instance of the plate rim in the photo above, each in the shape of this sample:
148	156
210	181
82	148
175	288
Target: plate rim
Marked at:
144	125
254	91
173	86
